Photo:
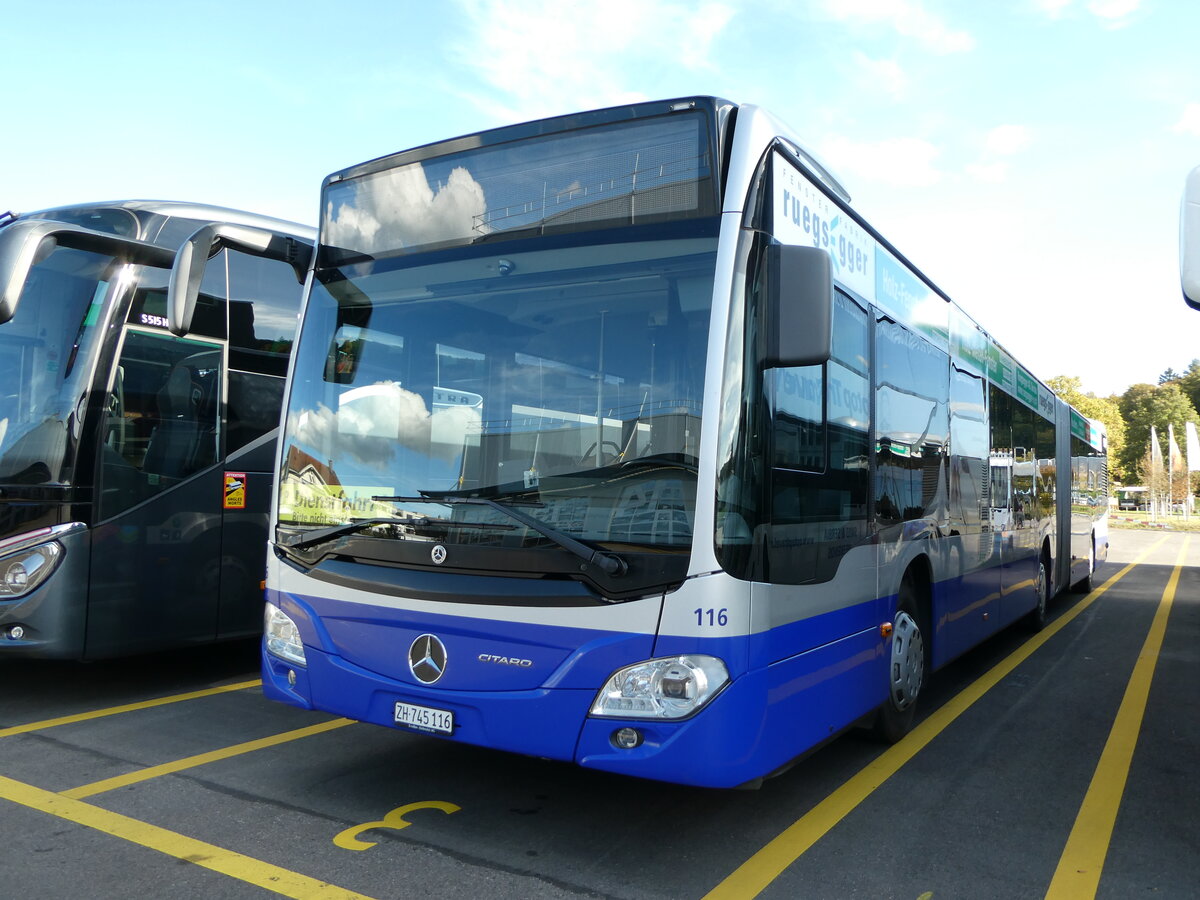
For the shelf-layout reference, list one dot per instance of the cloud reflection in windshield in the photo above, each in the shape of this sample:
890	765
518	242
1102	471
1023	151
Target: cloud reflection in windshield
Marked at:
399	208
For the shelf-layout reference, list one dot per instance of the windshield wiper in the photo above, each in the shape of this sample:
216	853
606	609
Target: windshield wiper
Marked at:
322	535
608	563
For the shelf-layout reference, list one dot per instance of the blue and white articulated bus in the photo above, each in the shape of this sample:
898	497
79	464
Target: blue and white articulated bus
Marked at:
135	465
620	438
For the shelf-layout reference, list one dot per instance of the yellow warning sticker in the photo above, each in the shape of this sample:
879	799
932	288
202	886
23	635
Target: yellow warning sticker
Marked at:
235	490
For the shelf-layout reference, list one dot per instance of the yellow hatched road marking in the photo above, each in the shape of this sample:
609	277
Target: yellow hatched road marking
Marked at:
755	874
200	759
129	707
218	859
1082	861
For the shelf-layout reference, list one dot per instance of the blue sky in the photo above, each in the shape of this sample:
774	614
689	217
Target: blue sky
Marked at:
1029	156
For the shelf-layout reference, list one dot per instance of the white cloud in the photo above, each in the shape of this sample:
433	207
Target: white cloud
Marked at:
1189	122
908	17
992	173
1005	140
1113	10
1002	141
1113	13
1053	8
544	57
899	162
880	74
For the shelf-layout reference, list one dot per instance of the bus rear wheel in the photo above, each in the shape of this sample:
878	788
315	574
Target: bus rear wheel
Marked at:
906	669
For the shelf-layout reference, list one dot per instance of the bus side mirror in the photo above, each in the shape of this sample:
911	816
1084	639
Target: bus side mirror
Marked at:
27	242
796	315
207	241
1189	240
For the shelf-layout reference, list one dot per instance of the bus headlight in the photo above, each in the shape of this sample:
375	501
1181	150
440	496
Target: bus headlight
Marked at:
670	688
283	638
21	572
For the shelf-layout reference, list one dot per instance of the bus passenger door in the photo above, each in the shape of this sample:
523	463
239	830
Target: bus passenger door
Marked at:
155	566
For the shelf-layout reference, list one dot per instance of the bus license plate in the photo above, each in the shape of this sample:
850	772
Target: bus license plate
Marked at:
424	717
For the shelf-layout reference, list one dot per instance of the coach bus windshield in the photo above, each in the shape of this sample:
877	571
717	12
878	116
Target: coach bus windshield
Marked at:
465	343
46	358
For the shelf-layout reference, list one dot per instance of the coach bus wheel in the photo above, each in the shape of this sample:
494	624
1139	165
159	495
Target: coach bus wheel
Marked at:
1036	619
906	669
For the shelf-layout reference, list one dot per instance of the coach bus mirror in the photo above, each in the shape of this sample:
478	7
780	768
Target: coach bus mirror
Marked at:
797	309
207	241
24	244
1189	240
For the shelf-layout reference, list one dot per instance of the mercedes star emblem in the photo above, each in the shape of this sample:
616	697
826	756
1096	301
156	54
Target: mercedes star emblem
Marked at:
438	553
427	659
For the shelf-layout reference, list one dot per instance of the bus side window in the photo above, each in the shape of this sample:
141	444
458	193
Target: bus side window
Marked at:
252	408
263	300
969	449
912	412
819	483
263	303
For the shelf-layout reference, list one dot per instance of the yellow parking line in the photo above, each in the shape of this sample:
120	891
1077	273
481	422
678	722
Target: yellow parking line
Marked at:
109	784
1082	861
755	874
129	707
218	859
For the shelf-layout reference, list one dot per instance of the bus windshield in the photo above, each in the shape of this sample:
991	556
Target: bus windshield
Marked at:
519	319
46	359
567	379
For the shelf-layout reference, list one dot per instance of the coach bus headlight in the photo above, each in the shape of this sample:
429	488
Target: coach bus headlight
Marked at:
670	688
21	572
283	638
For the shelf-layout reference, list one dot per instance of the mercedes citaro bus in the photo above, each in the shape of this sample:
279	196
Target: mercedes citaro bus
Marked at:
621	438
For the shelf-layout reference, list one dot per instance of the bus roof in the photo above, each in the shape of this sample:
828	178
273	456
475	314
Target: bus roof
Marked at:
148	220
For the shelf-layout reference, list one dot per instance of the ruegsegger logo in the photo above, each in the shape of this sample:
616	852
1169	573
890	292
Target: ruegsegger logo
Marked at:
804	215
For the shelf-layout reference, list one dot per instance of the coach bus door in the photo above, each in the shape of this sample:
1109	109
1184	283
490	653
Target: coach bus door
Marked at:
263	298
156	548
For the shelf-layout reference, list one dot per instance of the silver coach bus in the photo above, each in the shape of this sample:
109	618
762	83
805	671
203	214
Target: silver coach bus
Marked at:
135	465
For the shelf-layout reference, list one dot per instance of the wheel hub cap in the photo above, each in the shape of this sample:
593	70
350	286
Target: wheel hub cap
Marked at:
908	661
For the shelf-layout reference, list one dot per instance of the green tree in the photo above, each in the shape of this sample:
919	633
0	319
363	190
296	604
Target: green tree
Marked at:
1106	410
1168	375
1144	405
1190	382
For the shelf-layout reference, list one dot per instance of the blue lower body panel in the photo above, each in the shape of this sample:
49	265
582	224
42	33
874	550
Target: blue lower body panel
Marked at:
758	723
506	720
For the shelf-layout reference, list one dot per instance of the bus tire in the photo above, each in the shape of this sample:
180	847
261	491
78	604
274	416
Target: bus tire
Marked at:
1084	584
906	668
1035	619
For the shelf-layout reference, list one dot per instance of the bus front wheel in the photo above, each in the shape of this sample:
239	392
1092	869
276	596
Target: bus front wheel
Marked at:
906	669
1085	584
1035	619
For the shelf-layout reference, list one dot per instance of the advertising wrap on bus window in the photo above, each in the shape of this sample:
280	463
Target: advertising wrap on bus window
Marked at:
905	296
805	216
